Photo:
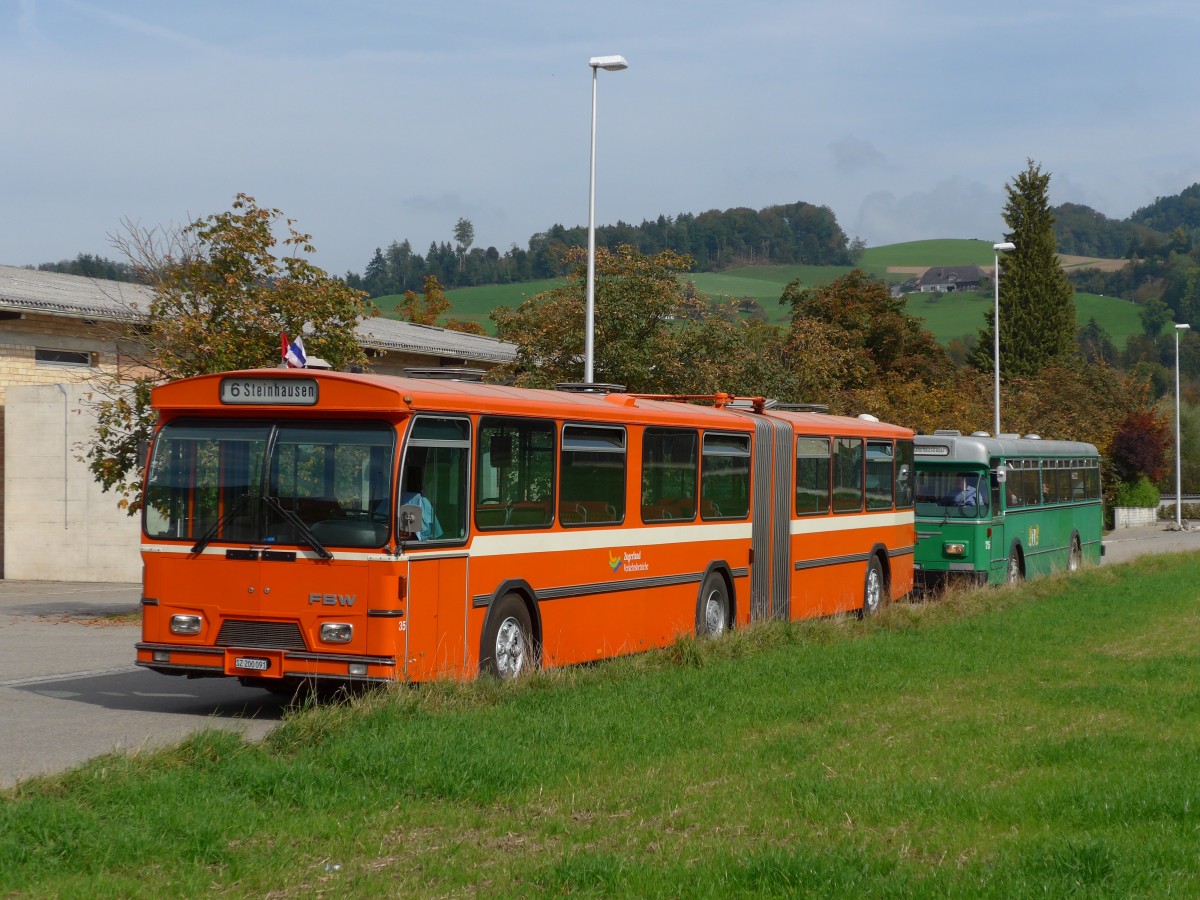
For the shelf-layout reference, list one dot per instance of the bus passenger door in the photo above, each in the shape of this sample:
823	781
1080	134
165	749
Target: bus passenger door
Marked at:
436	612
997	549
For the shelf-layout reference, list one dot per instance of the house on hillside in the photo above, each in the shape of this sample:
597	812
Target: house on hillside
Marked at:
57	334
948	279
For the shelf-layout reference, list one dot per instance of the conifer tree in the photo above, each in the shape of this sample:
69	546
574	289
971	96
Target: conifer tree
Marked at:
1037	302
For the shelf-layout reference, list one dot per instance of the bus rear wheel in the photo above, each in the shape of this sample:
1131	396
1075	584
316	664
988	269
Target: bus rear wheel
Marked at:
874	589
1074	555
712	613
507	647
1015	573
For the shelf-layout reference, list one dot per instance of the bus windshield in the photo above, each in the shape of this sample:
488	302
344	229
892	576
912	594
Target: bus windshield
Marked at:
952	493
322	483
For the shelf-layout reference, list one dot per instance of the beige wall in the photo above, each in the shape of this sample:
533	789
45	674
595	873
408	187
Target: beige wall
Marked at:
19	341
55	523
58	525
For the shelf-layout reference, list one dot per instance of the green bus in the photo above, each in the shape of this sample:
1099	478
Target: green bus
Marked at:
996	510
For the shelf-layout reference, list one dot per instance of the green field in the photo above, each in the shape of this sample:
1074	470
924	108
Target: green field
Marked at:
1036	741
948	316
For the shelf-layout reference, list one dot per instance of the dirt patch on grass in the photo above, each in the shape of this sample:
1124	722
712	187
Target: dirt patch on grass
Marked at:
1091	262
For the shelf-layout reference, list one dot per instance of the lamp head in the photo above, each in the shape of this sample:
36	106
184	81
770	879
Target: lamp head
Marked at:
608	63
1004	247
1183	327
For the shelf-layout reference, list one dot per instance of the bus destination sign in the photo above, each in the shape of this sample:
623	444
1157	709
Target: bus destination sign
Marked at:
269	391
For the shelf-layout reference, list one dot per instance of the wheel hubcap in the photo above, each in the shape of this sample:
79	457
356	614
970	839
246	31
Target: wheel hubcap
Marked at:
714	614
510	649
873	590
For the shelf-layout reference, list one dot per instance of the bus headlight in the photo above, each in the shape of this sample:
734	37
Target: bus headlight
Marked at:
336	632
954	549
185	624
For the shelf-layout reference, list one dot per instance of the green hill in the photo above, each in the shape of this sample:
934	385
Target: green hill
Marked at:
948	316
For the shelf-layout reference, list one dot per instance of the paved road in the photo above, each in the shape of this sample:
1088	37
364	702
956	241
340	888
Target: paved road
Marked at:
69	690
1128	543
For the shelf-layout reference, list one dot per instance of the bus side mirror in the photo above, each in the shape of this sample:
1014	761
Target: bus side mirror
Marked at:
411	518
1001	474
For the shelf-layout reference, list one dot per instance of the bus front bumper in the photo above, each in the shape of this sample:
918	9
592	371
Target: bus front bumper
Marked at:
260	663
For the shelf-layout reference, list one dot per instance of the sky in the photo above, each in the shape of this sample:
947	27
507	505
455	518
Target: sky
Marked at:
369	121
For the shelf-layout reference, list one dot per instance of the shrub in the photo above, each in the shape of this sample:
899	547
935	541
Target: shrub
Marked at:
1190	511
1140	493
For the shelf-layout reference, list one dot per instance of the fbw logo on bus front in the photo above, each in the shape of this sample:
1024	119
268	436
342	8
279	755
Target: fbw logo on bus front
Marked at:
331	599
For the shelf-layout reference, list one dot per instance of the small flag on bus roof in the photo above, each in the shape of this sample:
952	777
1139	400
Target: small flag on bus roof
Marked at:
293	352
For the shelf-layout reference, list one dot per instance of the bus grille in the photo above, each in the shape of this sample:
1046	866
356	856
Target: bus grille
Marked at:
268	635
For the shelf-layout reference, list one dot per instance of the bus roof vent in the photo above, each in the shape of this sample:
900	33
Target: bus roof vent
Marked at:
1033	437
589	387
948	432
446	373
803	407
867	417
981	434
1009	434
752	403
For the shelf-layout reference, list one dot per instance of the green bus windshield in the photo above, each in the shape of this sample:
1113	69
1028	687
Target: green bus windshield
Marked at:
953	493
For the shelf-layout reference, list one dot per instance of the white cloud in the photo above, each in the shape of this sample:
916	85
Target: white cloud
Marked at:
952	209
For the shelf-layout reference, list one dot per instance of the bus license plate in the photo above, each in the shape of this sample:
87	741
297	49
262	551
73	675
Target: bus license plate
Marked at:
252	662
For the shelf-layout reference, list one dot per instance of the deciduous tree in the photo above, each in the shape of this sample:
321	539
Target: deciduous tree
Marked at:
638	298
220	298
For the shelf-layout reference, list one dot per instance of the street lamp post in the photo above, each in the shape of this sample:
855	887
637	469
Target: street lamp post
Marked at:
996	248
609	64
1178	455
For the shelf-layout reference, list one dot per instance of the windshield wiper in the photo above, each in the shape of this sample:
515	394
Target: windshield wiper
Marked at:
298	524
225	518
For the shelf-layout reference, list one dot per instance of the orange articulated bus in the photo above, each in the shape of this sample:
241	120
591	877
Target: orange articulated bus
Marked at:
302	525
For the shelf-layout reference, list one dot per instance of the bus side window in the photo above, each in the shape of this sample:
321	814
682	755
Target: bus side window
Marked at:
670	467
848	475
812	476
881	473
725	476
514	473
592	475
435	475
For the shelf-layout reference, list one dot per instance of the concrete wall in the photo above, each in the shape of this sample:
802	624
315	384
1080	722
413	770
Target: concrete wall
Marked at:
1134	516
58	525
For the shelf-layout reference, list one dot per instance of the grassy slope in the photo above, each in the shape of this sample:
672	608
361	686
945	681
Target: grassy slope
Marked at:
947	316
1031	742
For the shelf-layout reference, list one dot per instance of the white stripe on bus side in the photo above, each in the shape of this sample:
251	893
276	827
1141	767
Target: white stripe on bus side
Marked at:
823	524
602	538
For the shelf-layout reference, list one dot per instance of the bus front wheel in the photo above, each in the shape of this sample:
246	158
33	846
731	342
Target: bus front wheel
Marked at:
875	588
507	649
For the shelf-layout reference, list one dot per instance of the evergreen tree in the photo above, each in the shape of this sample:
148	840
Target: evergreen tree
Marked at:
1037	302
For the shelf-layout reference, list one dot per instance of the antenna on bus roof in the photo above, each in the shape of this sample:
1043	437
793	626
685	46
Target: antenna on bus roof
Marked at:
445	373
589	387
